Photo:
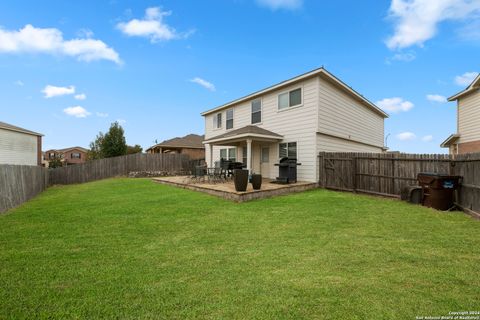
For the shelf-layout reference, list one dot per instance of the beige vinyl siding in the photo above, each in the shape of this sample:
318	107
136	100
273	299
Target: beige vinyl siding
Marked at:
295	124
18	148
341	115
469	117
332	144
325	108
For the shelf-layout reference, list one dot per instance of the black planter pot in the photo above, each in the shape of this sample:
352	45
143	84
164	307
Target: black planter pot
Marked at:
256	181
240	178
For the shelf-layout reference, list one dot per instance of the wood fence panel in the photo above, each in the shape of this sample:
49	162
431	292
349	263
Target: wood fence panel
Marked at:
468	166
168	164
388	173
20	183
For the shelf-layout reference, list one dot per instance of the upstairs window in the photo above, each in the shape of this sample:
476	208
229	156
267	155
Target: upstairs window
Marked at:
256	111
75	155
288	149
290	99
229	119
217	121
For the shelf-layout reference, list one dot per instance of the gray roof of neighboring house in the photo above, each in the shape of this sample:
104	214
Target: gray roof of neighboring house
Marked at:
250	129
6	126
193	141
474	86
451	139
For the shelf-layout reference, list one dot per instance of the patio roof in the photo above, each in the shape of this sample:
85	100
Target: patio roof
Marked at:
247	132
450	140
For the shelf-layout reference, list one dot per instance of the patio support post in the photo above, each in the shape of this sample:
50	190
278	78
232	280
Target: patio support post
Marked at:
209	153
249	155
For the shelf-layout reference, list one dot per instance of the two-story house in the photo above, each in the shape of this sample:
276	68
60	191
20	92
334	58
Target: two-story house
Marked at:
467	137
297	118
67	156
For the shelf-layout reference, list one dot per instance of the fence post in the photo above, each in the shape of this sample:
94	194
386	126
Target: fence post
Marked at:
355	171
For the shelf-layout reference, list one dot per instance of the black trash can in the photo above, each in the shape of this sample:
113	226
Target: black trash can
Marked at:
438	189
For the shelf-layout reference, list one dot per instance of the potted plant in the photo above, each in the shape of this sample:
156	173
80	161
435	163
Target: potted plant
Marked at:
256	180
240	179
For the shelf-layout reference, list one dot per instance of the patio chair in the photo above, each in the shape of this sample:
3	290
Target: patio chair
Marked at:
215	175
199	174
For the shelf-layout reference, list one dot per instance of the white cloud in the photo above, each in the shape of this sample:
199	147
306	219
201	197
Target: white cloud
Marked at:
406	136
402	56
416	21
121	121
53	91
77	112
152	26
395	105
19	83
80	96
102	114
204	83
281	4
436	98
50	41
427	138
466	79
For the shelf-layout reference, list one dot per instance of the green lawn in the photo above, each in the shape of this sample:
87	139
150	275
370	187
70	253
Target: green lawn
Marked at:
125	248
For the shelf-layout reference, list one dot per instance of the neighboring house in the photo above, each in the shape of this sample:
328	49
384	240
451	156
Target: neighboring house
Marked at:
190	145
298	118
67	156
20	146
467	137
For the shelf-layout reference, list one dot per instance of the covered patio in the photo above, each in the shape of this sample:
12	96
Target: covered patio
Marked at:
258	147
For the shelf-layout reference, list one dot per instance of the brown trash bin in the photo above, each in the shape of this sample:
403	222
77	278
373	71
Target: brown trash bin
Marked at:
438	189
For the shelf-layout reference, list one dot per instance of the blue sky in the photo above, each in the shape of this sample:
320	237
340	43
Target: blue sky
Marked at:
70	68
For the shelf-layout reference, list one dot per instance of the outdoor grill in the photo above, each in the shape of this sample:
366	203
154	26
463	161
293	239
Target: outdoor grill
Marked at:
287	170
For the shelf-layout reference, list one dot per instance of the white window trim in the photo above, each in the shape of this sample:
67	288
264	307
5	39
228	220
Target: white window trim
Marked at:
288	91
228	152
261	111
215	118
287	142
233	118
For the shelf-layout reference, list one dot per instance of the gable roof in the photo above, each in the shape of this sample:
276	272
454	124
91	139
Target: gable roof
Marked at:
450	140
6	126
475	85
193	141
313	73
67	149
249	130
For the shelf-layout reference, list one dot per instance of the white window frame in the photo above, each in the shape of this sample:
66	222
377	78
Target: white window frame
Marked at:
215	121
228	153
288	91
287	148
261	111
233	118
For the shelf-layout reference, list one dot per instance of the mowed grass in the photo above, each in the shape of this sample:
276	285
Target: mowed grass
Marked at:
131	249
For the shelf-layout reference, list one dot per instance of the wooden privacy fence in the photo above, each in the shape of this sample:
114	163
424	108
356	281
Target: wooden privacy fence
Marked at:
20	183
166	164
386	174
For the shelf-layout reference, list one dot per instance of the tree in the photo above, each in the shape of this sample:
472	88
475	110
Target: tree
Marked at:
134	149
95	151
55	163
113	143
